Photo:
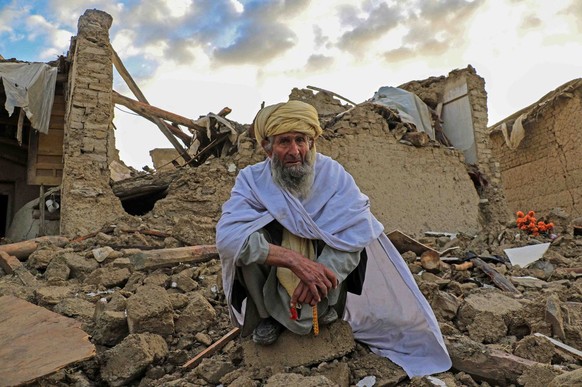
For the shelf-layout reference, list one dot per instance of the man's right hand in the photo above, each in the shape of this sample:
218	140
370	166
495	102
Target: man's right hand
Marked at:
316	279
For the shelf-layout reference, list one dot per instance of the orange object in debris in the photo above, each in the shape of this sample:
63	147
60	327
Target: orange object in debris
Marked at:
530	223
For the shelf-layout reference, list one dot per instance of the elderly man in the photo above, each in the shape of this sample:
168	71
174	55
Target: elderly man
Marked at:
297	234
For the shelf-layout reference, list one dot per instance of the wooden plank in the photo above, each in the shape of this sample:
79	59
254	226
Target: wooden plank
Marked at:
155	259
215	347
35	342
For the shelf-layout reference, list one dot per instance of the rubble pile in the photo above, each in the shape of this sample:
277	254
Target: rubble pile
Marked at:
150	308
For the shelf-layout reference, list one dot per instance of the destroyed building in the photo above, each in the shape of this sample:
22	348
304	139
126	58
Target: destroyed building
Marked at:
133	262
538	150
356	135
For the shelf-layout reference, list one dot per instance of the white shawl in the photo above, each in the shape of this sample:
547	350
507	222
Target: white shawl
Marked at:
391	315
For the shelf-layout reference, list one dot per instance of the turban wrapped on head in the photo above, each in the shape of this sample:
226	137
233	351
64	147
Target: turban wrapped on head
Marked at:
292	116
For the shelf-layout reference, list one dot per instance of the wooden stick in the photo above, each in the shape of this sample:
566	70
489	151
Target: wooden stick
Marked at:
499	280
212	349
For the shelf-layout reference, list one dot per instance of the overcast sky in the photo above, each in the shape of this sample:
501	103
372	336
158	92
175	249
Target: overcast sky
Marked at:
192	57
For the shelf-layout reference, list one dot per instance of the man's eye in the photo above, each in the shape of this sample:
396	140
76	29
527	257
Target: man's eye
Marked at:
300	140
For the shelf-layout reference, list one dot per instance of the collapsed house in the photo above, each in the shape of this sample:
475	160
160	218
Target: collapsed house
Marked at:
139	271
538	150
367	138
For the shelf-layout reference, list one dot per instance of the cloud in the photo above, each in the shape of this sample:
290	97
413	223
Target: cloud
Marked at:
399	54
48	35
259	34
574	10
318	63
530	22
435	28
256	44
377	21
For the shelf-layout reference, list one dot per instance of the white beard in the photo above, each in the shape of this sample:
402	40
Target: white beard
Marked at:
296	179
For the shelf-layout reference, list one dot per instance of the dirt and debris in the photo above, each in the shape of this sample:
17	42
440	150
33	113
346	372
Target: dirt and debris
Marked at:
146	323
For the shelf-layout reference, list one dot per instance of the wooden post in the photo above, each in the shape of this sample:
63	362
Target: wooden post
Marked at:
139	95
41	225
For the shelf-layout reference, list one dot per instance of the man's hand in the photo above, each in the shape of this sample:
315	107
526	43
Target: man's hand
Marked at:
316	279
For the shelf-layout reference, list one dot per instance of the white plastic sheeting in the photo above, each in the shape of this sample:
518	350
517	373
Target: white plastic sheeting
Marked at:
410	107
30	86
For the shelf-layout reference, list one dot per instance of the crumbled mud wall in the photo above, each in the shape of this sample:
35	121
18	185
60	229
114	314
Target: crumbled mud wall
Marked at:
411	189
494	208
87	199
545	170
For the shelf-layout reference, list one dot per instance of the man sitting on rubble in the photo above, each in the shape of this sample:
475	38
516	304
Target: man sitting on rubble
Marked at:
298	234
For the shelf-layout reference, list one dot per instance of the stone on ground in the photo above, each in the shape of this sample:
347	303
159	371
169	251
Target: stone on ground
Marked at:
129	359
291	350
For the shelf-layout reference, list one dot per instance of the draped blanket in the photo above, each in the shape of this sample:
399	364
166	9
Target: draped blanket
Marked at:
390	315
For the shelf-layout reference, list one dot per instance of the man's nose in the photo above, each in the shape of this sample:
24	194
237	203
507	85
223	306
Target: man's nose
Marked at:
293	148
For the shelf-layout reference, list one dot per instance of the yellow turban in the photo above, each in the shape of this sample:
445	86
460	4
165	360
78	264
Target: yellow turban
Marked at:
292	116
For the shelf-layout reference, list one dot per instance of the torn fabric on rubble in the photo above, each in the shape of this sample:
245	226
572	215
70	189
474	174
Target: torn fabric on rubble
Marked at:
391	315
30	86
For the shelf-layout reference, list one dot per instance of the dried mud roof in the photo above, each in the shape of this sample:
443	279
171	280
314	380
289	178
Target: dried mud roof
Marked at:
564	91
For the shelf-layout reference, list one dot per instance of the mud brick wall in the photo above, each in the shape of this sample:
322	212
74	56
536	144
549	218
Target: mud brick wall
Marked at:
87	199
545	171
410	189
431	92
493	206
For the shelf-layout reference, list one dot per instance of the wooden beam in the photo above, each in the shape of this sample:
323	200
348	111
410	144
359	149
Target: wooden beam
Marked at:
148	110
22	250
139	95
154	259
215	347
9	263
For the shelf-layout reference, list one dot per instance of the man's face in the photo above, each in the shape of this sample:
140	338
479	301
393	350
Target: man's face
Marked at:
291	148
292	162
